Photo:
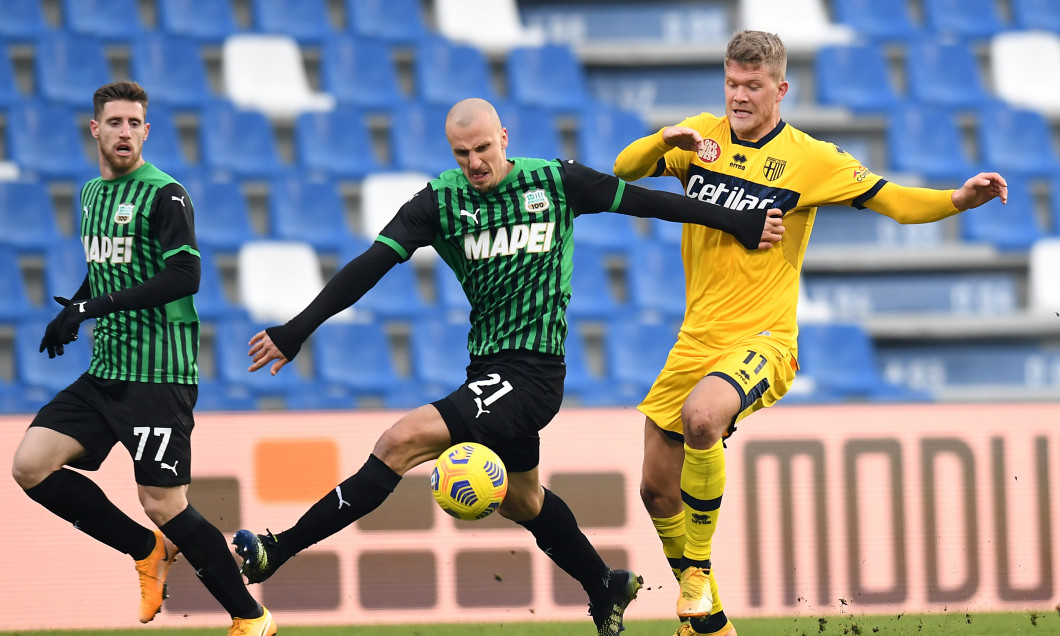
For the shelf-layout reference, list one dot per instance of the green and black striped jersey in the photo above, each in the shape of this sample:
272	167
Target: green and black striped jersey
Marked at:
129	226
511	248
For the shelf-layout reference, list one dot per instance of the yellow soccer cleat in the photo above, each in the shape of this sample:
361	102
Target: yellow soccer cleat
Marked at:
696	600
260	626
152	572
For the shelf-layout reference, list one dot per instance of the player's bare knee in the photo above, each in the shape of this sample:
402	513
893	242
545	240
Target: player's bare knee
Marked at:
704	425
657	501
521	506
27	473
162	504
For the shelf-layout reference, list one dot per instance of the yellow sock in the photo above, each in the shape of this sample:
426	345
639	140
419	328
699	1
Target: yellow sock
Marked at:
671	532
702	485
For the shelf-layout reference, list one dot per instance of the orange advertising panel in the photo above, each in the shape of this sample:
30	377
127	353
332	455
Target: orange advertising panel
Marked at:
869	508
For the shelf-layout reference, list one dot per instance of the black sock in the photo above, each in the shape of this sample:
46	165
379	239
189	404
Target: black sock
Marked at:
77	499
206	550
349	501
557	534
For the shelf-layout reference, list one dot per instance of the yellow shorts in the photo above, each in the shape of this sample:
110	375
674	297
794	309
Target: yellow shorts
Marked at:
760	372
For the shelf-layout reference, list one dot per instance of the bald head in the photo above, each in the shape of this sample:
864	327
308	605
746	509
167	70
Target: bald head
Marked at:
471	111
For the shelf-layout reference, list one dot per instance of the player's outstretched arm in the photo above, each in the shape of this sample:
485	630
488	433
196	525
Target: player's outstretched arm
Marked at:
979	189
263	351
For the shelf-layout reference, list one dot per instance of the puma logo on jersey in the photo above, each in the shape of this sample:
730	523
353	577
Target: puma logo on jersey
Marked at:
533	237
472	216
180	199
108	249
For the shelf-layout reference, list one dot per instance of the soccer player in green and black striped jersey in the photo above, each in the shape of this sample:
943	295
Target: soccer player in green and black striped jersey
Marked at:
505	226
137	229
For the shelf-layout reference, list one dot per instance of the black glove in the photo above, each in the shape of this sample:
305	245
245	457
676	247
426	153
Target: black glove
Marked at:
62	330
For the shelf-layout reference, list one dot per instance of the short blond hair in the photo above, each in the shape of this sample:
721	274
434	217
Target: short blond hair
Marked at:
758	49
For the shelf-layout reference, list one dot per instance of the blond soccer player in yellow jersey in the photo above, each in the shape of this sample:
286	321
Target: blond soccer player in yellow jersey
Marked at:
736	351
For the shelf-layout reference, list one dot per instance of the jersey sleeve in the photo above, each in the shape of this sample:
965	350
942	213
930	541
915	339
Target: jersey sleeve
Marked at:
841	178
173	220
415	225
588	190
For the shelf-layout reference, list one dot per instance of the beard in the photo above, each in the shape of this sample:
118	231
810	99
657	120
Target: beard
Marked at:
119	164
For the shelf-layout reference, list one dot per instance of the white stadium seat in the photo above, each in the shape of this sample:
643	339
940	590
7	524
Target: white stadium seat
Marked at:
266	73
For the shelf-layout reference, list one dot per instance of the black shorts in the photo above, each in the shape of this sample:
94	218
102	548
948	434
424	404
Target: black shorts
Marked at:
507	399
152	421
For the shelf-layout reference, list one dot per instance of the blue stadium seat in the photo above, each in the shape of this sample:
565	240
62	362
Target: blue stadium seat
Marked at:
615	233
65	269
360	71
591	296
635	353
17	303
9	90
1035	14
974	19
854	76
240	143
230	350
396	297
532	131
452	302
44	140
664	231
880	20
308	211
18	399
565	90
446	72
851	295
218	396
222	218
603	131
358	357
36	369
582	385
27	216
843	226
944	72
336	144
841	360
395	21
306	21
924	139
163	147
70	67
990	364
113	20
1012	226
1016	141
657	281
1054	204
23	21
209	21
439	356
171	69
211	302
417	138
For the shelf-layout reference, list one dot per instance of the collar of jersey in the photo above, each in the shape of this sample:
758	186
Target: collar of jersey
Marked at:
761	142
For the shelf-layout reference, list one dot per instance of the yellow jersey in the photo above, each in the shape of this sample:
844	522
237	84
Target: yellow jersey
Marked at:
732	292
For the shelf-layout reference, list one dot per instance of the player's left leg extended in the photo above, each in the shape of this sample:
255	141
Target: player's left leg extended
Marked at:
557	534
